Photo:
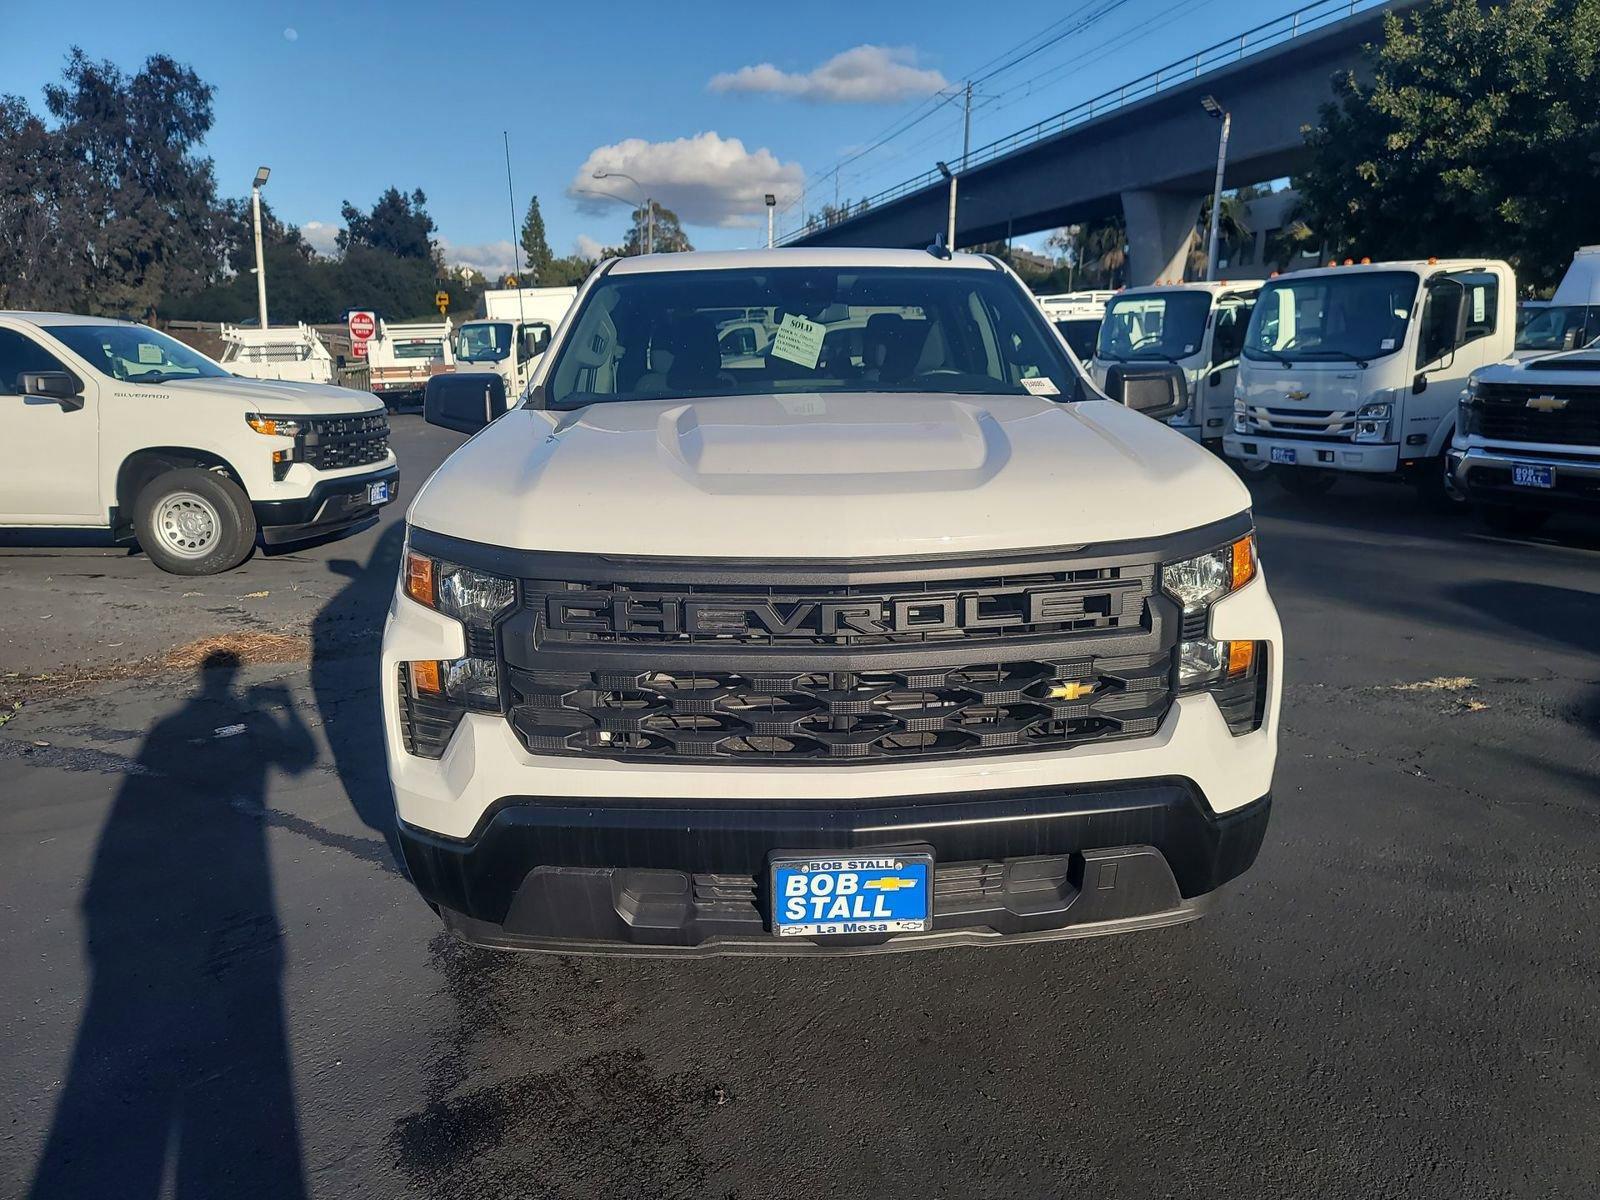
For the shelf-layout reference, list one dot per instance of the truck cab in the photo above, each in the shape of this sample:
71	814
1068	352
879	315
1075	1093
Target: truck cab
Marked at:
1358	368
512	334
1569	320
107	425
1077	317
1198	326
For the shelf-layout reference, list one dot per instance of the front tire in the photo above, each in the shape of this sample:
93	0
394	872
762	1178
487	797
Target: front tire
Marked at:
1306	482
194	522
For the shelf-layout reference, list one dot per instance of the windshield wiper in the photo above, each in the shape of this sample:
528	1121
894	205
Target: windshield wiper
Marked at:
1345	354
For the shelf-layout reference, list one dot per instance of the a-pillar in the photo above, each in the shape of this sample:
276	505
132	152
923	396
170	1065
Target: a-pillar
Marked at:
1160	226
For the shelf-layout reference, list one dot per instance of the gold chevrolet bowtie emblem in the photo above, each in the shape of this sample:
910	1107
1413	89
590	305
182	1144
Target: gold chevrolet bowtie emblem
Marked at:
1072	691
1548	403
1298	395
890	883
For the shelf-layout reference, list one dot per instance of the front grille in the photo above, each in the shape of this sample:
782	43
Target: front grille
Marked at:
1334	425
1500	412
331	443
840	716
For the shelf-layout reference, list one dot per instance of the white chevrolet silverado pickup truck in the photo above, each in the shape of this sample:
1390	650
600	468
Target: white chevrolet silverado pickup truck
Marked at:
106	425
899	634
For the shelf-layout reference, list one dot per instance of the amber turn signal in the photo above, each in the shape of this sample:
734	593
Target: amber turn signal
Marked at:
1241	657
425	678
419	578
1244	561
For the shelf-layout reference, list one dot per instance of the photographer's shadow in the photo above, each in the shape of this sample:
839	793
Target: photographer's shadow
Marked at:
181	1067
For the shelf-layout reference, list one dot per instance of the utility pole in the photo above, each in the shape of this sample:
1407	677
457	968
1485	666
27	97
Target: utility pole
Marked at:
1217	112
966	130
261	266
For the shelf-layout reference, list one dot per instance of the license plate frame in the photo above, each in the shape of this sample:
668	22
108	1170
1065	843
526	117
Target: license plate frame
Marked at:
1285	454
1533	475
866	908
379	493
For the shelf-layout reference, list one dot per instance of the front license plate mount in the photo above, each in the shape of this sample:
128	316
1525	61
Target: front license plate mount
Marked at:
1284	454
829	894
378	493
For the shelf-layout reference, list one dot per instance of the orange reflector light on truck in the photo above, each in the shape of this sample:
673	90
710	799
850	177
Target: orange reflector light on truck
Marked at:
1244	562
419	578
425	678
1241	657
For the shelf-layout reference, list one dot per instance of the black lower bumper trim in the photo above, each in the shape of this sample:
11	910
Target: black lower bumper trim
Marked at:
332	505
653	878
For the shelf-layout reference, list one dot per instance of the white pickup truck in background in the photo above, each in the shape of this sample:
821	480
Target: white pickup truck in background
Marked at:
106	425
293	352
402	358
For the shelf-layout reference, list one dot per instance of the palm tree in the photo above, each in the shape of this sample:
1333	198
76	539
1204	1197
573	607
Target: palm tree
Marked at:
1232	229
1106	248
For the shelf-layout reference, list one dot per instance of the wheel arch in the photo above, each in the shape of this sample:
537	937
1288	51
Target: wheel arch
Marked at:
148	462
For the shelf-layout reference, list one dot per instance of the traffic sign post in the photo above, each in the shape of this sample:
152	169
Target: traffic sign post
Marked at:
363	325
441	301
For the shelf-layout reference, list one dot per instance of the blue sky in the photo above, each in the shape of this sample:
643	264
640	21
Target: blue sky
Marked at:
343	100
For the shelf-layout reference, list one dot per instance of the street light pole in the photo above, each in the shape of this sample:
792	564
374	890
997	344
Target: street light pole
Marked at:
772	203
261	267
649	207
1216	111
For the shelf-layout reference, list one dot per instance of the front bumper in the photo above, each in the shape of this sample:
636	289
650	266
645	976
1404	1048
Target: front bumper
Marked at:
1484	476
1328	456
331	506
642	877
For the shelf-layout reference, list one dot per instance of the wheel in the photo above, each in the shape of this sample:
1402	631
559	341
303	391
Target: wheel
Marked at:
1306	482
1250	468
194	522
1503	518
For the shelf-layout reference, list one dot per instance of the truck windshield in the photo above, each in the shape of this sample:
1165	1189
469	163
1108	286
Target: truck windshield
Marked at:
656	336
484	341
419	348
1167	325
1354	317
1558	327
134	353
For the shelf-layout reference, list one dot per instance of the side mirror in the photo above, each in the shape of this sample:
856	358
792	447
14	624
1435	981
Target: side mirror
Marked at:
1158	390
465	403
52	385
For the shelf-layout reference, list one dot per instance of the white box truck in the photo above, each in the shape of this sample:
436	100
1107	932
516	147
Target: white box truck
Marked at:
1570	319
1200	327
1359	368
515	328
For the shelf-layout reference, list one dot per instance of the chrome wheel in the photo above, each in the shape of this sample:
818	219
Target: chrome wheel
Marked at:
187	524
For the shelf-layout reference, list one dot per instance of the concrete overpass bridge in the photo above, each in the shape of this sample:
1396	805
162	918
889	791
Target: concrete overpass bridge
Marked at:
1147	149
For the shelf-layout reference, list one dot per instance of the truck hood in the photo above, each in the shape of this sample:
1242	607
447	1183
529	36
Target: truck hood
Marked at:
286	398
833	477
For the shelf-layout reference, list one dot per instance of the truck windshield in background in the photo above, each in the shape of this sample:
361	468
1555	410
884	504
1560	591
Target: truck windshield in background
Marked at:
1358	317
1080	333
1169	325
418	349
1559	327
134	353
484	341
655	336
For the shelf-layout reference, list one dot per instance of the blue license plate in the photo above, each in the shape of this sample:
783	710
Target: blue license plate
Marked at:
378	493
830	895
1532	475
1284	454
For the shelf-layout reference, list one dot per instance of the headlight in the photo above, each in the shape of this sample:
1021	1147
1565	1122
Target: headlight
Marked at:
1241	414
476	599
1198	582
1372	422
275	426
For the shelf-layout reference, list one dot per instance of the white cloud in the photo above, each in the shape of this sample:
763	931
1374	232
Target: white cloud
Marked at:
494	259
587	247
320	235
291	34
706	179
862	75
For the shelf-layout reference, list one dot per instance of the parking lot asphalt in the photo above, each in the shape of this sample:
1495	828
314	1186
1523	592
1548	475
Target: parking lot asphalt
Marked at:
218	983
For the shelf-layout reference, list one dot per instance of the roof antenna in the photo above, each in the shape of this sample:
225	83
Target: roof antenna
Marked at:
937	248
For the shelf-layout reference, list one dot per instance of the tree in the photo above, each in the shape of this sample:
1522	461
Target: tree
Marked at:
1477	135
535	246
1233	228
668	237
398	224
567	272
110	208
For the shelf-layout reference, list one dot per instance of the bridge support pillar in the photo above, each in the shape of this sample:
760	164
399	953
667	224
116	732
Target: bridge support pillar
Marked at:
1160	226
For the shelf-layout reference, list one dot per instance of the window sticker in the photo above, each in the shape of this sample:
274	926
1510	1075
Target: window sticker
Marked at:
1386	344
799	341
149	353
1041	385
1479	295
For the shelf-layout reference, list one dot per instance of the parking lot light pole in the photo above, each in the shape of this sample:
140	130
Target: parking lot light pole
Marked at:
649	207
950	231
772	203
261	267
1216	112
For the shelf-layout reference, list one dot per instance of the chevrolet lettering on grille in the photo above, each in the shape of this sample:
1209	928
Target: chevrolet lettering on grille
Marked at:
624	614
